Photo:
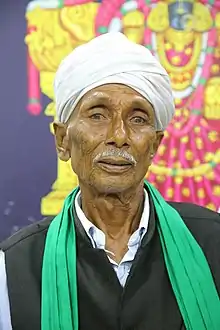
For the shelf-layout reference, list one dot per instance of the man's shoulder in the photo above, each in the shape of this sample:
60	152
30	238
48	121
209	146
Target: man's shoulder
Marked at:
190	210
31	232
198	219
204	225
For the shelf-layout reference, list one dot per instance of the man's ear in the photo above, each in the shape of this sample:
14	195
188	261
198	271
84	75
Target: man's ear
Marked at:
62	141
159	137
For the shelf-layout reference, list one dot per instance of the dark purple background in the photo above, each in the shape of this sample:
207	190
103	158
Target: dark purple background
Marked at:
27	153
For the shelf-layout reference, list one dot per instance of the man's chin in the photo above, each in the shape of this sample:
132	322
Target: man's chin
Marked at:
111	184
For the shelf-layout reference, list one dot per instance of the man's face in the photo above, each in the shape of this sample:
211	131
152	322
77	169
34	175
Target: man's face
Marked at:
110	138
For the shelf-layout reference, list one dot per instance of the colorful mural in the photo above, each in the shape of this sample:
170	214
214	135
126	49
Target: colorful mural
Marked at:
185	36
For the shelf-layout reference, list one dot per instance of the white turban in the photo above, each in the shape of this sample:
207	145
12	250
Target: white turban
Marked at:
112	58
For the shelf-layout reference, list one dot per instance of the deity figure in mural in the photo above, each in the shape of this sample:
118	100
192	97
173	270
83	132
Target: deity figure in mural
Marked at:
185	36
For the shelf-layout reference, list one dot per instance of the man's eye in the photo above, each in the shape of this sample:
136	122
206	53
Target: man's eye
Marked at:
97	116
138	120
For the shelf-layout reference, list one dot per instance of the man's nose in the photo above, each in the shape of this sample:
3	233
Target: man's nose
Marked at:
117	133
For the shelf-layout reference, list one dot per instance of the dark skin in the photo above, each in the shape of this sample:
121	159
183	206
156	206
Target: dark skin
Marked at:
111	117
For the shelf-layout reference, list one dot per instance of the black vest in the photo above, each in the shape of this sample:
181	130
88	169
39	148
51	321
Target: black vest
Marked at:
146	302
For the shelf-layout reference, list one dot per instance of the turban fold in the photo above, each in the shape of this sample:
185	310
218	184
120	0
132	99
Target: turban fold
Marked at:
113	58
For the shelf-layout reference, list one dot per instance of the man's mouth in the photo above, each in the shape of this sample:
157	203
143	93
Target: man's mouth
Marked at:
114	164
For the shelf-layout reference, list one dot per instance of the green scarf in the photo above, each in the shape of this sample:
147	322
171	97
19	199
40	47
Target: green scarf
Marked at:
186	265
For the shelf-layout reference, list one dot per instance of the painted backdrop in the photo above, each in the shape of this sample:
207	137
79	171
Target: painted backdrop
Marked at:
184	35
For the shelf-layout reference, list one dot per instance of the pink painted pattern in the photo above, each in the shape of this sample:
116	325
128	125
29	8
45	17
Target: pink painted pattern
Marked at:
34	105
197	128
184	58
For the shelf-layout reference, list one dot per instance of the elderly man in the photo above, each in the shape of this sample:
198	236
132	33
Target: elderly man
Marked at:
117	257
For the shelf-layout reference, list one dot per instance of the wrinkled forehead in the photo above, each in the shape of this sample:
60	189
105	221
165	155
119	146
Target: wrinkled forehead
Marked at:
114	93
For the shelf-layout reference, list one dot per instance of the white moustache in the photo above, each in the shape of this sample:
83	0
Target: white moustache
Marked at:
116	153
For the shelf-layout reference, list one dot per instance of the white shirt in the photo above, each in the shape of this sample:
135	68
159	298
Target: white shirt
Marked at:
97	238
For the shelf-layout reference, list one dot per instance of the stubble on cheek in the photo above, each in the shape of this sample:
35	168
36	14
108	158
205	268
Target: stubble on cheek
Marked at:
82	151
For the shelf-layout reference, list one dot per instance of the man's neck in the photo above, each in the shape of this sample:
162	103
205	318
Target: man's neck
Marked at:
117	215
